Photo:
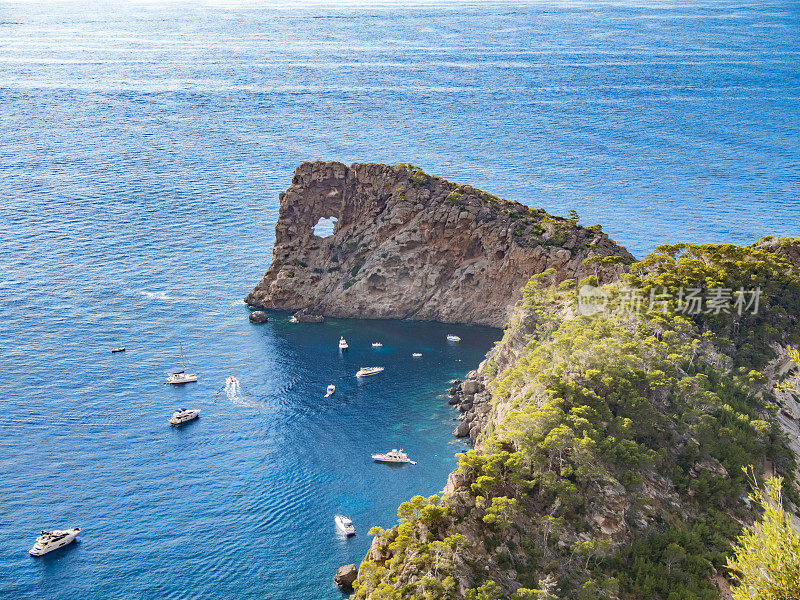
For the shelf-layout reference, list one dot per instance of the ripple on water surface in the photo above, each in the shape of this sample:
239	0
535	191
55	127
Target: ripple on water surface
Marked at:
143	150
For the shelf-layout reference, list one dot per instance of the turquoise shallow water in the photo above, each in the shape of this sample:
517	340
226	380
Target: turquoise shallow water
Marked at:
142	148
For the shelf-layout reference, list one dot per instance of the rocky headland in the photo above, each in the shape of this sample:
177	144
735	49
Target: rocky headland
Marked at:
608	447
408	245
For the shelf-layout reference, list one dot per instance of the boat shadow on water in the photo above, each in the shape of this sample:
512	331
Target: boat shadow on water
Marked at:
393	465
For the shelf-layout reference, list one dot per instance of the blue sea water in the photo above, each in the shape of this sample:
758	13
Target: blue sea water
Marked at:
142	148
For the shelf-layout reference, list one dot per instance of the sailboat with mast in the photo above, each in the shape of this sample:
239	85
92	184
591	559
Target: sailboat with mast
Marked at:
181	376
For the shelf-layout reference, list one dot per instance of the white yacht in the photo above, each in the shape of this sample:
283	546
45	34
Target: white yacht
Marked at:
344	524
293	319
184	415
181	376
53	540
417	355
453	338
343	344
393	456
331	389
364	371
377	345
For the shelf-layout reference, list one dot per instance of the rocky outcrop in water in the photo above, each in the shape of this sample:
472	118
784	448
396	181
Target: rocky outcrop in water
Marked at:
258	316
408	245
345	577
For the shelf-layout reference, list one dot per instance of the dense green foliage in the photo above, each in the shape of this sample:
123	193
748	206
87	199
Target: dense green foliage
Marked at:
710	267
614	468
767	561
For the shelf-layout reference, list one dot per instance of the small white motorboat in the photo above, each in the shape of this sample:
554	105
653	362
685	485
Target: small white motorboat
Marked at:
331	389
344	525
417	355
453	338
179	377
364	371
184	415
118	349
393	456
48	541
377	345
343	344
293	319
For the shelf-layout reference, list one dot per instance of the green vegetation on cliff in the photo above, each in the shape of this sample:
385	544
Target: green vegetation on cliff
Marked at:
612	463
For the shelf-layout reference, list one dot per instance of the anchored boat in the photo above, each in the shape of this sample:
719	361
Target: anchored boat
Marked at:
330	390
184	415
343	344
393	456
48	541
453	338
364	371
181	376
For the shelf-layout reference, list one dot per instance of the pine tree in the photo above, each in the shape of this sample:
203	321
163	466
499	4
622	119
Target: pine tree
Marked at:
766	565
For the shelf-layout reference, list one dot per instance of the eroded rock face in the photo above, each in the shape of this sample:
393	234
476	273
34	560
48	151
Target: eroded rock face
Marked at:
411	246
345	576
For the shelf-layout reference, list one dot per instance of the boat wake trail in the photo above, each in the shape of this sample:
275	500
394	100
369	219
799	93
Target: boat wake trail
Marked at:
234	392
156	295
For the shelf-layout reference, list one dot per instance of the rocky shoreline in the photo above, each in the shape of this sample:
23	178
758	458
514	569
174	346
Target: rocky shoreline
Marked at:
473	401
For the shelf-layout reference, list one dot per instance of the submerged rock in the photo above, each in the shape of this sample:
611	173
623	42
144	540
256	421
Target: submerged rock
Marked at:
258	316
407	245
345	577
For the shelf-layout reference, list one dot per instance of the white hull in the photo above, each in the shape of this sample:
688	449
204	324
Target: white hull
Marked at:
453	338
40	549
181	378
180	417
367	371
395	456
330	390
344	525
417	355
399	461
377	345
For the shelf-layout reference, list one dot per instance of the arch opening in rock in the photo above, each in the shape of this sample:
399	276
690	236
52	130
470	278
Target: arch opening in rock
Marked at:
325	227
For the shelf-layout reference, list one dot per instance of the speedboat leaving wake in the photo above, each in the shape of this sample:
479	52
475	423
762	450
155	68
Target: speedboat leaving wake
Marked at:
234	391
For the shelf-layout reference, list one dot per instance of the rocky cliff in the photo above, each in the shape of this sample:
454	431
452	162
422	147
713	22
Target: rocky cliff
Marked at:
609	447
408	245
